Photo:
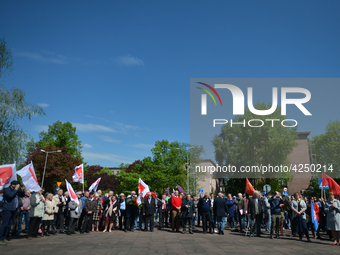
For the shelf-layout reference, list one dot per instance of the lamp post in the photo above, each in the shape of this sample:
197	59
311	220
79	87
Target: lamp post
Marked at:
42	183
187	167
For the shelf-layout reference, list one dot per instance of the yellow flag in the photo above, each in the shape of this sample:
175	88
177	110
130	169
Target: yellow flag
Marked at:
58	183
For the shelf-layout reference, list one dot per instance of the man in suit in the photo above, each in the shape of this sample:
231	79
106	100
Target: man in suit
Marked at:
255	213
149	209
205	207
220	212
162	209
188	210
59	201
90	207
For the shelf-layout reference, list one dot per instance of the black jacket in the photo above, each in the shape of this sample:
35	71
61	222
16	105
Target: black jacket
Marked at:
160	206
251	207
187	212
220	207
149	209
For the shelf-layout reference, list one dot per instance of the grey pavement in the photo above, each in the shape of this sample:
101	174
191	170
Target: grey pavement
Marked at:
165	242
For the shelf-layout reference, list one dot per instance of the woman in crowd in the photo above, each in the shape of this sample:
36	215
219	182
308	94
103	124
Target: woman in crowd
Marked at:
300	224
97	212
110	212
332	208
48	215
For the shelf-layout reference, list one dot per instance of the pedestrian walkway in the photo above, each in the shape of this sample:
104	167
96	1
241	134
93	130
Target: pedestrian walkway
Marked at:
165	242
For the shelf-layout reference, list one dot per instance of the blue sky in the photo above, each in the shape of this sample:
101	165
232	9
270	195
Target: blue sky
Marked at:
120	70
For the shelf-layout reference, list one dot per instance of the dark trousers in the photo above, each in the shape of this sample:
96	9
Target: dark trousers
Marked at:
122	219
59	216
149	218
189	221
166	216
205	218
72	225
81	219
257	220
199	219
7	221
26	215
87	223
33	227
162	219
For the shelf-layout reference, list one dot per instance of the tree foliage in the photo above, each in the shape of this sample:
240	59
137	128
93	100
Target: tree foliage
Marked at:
61	134
60	166
254	146
6	59
13	107
166	168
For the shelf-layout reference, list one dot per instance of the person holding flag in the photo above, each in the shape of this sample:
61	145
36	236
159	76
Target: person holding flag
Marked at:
313	208
75	210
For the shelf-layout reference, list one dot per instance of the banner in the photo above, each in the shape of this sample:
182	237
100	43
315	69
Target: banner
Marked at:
249	188
79	174
143	187
333	186
180	189
94	185
71	192
313	215
29	178
7	175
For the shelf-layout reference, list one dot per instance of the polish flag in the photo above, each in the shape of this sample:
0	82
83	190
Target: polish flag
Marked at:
143	187
29	178
79	174
70	190
94	185
7	175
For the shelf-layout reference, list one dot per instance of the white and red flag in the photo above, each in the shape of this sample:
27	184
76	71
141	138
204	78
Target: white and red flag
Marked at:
94	185
79	174
71	192
143	187
7	175
29	178
139	201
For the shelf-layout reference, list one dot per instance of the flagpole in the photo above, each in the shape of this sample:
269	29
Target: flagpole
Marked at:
83	179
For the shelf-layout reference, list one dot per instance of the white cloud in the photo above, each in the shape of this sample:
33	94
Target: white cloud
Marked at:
93	127
143	146
43	105
40	128
128	60
87	145
46	57
106	156
109	139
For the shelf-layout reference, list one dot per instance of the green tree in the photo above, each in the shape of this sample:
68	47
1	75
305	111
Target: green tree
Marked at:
61	134
255	146
327	147
13	107
6	59
166	168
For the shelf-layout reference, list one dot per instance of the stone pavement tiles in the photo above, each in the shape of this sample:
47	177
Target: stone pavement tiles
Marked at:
164	242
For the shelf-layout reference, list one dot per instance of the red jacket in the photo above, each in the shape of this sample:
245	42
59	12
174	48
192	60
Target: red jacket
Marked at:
176	202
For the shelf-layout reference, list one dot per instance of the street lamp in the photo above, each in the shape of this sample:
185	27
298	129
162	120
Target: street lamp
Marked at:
187	167
42	183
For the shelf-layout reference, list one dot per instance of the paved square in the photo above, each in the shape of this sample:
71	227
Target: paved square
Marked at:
166	242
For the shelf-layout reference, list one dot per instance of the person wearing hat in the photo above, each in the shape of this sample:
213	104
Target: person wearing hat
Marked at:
11	198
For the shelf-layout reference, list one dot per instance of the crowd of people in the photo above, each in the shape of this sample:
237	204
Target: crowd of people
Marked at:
43	214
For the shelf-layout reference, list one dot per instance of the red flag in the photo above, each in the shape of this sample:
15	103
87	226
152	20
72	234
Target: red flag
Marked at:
333	186
249	188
